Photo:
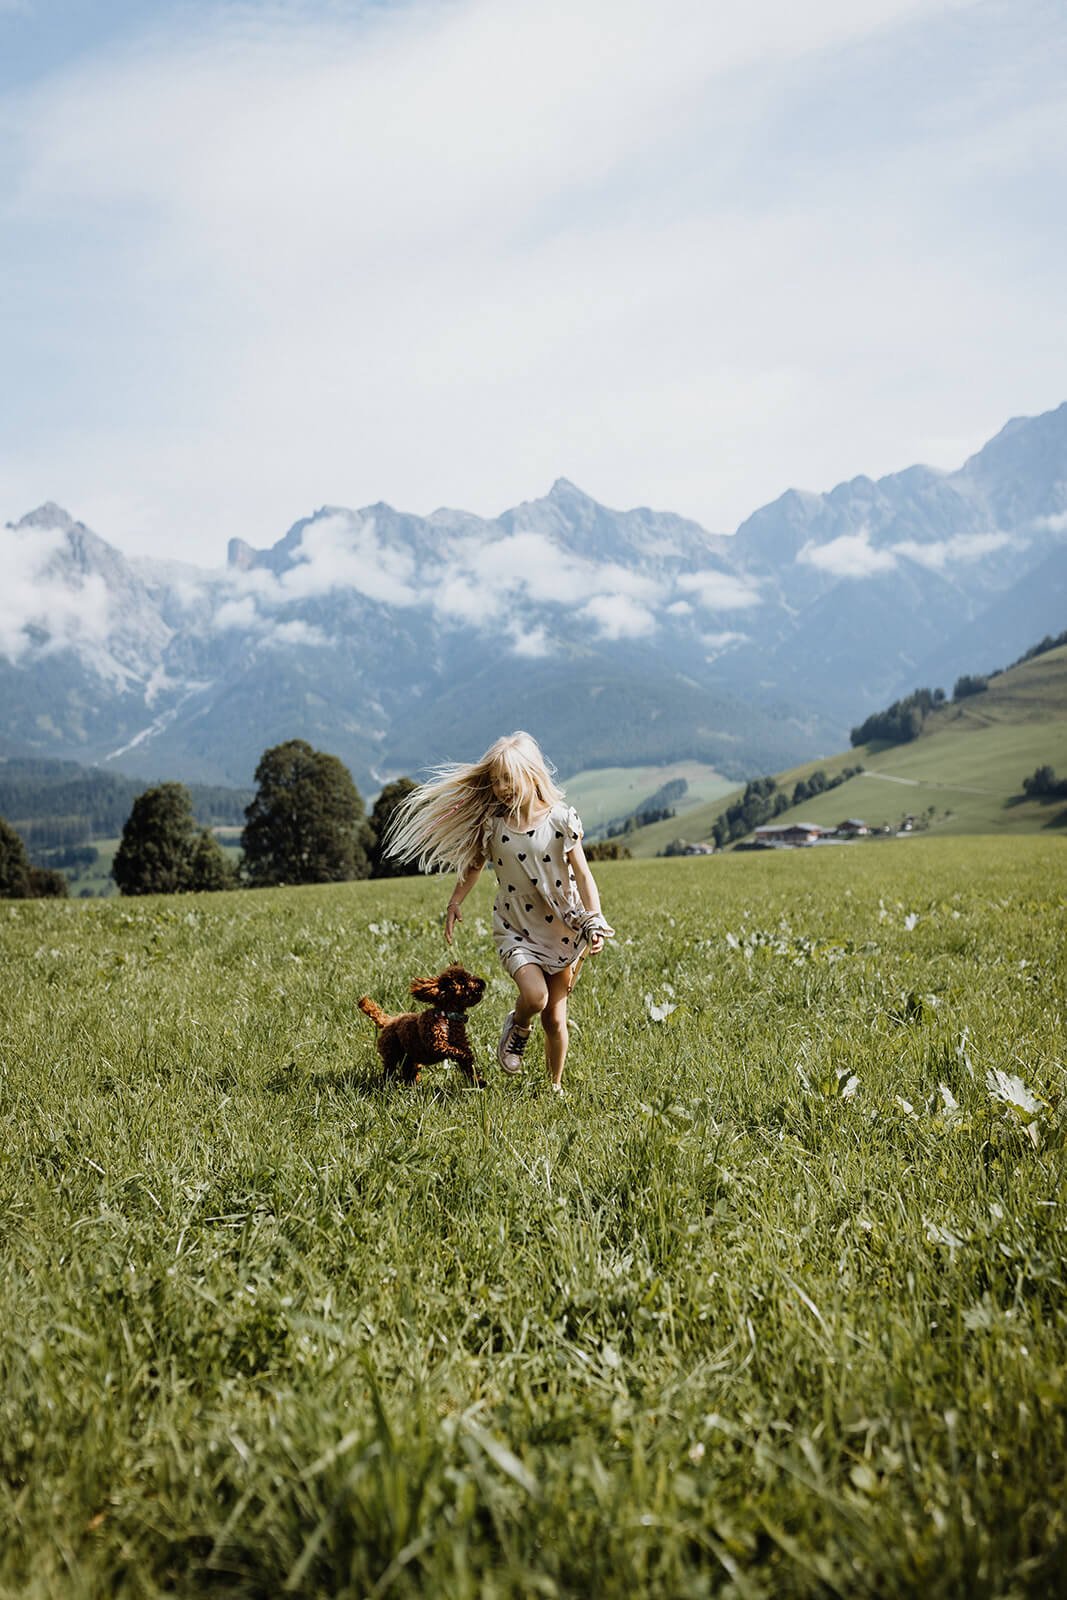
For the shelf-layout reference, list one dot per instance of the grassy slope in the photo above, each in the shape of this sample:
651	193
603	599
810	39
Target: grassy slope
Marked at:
604	793
968	763
706	1322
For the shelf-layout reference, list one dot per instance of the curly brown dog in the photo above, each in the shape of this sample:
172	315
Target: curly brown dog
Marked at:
417	1038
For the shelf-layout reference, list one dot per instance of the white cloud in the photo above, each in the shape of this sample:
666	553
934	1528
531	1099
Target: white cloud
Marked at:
722	641
850	556
297	632
341	552
36	598
443	253
962	547
241	613
463	598
1056	523
533	644
721	591
618	617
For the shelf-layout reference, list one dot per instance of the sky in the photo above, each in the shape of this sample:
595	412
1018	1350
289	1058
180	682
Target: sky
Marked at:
258	258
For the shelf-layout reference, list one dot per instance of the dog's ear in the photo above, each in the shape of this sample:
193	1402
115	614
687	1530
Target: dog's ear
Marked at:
426	988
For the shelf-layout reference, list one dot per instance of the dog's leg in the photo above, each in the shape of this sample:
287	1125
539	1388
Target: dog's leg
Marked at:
463	1056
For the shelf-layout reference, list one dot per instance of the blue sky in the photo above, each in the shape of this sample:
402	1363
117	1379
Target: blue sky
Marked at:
258	258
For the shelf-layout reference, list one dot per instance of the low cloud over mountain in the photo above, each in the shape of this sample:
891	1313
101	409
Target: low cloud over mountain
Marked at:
396	639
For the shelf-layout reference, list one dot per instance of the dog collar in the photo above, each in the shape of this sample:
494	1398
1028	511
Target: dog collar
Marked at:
454	1016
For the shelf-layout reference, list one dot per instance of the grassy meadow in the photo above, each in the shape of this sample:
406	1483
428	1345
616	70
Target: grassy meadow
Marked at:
771	1303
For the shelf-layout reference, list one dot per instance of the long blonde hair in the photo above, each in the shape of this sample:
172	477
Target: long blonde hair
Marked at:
441	824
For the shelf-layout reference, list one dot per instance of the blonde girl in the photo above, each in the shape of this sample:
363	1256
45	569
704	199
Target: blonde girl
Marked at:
506	811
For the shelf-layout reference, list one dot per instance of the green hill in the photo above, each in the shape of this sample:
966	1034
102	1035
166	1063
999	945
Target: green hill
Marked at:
965	770
602	794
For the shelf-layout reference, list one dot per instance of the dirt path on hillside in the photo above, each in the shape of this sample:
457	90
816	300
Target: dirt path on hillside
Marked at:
926	783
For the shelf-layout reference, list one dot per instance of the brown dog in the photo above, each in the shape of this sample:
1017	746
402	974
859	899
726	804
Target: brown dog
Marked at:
418	1038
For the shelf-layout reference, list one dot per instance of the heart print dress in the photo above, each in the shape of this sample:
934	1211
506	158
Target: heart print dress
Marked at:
538	915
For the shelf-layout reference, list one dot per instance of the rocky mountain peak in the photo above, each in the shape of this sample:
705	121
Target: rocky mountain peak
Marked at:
48	516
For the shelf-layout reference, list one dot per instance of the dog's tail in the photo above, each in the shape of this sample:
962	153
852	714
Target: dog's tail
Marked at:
374	1012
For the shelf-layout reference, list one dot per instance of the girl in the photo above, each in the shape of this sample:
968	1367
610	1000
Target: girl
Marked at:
506	810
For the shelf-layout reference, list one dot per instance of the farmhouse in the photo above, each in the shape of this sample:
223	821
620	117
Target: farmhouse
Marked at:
790	834
852	828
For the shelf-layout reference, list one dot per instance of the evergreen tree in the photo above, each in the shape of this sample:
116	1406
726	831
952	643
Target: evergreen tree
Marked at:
307	823
208	867
14	864
155	855
382	865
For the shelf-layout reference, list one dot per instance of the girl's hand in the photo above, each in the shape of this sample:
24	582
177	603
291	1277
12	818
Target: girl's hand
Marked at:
452	916
598	939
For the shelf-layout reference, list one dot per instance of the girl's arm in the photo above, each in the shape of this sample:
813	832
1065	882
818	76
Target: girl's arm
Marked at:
459	894
590	894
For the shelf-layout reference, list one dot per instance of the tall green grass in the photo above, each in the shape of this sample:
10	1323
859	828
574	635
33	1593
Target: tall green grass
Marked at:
772	1303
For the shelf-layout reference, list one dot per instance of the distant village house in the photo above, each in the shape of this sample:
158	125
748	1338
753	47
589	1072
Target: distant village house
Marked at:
790	833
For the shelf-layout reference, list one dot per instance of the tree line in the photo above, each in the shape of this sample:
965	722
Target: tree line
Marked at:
763	800
71	805
306	823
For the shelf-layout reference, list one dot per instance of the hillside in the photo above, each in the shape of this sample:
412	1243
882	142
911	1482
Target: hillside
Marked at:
967	765
61	802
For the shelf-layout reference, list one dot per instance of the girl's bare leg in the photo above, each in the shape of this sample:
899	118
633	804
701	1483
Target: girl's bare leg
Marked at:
554	1022
533	994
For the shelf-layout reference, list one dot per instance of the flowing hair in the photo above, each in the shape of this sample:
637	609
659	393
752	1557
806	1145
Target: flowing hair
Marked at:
441	824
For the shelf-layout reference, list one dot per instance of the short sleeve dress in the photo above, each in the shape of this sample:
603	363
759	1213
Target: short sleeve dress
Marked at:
538	913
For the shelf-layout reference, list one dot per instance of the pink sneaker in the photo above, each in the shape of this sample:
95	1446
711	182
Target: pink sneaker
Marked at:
513	1042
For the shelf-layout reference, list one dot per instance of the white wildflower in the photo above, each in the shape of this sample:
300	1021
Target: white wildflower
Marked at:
905	1105
658	1011
1012	1091
937	1233
950	1105
911	920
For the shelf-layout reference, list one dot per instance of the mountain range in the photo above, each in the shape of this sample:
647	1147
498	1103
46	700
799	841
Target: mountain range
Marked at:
617	637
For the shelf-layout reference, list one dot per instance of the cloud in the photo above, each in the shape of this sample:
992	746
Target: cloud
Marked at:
242	613
618	617
1056	523
298	633
443	253
344	552
721	591
850	556
717	642
462	598
42	606
533	644
962	547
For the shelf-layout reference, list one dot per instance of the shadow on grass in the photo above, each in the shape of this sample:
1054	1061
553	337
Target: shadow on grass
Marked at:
366	1082
1043	800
